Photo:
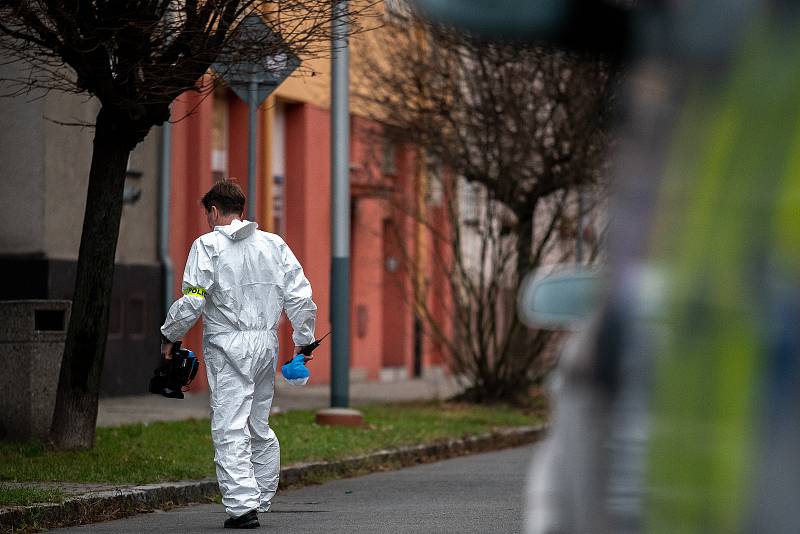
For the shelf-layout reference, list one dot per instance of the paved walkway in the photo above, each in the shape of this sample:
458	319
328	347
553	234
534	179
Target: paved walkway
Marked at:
115	411
475	494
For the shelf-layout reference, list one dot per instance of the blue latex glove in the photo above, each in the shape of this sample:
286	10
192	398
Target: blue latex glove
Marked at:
295	372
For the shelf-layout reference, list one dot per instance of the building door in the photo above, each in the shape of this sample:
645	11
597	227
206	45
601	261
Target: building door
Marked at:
395	305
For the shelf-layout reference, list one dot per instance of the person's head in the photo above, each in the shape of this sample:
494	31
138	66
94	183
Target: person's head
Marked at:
223	203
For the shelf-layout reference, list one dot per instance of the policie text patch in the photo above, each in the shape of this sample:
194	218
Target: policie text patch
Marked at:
195	291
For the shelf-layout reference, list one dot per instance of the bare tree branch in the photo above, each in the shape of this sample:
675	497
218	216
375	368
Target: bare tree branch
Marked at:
527	123
135	57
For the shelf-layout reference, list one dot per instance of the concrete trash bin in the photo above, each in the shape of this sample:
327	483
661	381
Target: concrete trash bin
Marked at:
32	335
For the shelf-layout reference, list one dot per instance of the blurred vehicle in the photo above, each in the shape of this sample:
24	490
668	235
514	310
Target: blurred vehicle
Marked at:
587	475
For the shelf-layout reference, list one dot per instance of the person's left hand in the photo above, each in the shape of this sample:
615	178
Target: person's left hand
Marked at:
166	351
305	358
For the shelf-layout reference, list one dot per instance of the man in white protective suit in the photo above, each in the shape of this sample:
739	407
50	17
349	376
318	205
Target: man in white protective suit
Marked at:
240	279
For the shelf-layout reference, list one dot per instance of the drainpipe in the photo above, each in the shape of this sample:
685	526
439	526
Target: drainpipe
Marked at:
164	185
252	129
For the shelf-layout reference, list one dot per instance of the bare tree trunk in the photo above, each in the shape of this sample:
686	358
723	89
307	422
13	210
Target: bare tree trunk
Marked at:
514	368
76	401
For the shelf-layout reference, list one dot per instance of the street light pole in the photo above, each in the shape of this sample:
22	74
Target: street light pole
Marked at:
340	210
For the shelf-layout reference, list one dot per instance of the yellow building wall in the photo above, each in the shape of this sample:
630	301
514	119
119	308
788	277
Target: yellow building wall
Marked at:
311	84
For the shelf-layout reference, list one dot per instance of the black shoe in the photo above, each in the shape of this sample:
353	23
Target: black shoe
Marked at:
248	520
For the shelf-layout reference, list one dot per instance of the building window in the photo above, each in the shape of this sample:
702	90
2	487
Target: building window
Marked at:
219	136
434	192
278	168
470	200
277	204
389	157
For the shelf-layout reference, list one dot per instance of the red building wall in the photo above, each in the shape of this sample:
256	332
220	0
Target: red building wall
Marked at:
308	214
367	290
381	309
399	342
237	146
191	178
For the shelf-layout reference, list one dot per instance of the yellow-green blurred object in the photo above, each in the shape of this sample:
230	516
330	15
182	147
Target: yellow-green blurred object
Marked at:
736	157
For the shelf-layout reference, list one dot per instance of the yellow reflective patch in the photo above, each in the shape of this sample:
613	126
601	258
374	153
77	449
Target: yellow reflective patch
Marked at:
195	291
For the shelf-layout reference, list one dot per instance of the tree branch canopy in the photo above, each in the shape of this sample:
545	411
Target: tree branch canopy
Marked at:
136	57
522	120
528	125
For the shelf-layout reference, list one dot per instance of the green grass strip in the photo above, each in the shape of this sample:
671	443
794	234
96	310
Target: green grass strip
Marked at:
21	496
138	454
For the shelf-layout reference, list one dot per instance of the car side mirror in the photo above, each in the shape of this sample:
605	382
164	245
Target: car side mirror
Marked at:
561	299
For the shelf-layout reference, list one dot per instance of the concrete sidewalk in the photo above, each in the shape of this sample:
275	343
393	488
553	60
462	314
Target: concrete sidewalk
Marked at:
474	494
88	503
116	411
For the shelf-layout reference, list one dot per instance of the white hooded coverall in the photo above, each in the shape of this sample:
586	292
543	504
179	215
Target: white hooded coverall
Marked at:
240	279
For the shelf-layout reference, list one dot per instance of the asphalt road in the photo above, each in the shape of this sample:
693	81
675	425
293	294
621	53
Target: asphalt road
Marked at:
480	494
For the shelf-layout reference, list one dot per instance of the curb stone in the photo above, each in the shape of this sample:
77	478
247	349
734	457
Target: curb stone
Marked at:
105	505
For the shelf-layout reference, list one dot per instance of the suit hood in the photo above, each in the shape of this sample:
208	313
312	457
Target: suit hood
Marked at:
237	229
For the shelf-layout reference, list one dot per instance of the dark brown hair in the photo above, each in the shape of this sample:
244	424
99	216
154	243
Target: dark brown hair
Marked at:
226	196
